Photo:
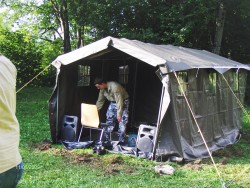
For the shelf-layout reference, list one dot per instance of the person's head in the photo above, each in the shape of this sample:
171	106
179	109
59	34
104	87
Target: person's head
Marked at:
100	83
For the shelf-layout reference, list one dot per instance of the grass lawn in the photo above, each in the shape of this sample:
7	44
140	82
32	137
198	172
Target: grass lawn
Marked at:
52	166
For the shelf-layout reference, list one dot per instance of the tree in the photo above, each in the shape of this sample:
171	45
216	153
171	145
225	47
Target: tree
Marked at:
21	50
191	23
235	41
60	8
220	19
78	12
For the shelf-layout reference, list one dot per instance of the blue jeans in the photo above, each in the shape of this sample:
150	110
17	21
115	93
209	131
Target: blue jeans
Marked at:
10	178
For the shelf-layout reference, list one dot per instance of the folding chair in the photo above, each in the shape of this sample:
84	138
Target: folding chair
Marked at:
90	119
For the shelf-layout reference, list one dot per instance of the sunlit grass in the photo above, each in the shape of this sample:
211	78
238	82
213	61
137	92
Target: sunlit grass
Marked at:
55	166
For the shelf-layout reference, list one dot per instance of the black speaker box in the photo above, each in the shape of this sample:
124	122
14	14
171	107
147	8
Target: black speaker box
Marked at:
145	138
69	128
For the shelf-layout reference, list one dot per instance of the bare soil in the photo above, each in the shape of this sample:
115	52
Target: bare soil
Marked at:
111	165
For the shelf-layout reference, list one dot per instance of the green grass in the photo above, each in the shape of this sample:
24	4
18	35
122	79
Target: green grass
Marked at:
52	166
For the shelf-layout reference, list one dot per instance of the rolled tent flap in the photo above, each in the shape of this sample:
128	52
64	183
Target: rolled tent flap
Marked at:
164	104
165	97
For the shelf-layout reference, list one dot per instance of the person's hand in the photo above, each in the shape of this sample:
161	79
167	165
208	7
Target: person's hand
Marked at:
119	118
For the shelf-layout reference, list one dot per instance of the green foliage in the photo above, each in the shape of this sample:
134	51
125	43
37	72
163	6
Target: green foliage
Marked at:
29	56
235	42
21	50
49	165
189	23
32	112
246	120
172	22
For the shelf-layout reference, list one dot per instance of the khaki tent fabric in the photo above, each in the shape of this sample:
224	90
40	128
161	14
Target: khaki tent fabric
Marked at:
157	101
176	58
218	116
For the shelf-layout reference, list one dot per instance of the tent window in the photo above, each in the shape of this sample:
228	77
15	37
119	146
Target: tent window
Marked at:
83	75
183	79
234	80
123	74
211	85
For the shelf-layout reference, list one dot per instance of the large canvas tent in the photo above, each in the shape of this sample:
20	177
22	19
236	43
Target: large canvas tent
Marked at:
172	88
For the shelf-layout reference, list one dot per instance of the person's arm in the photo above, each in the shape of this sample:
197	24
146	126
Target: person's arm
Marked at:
119	101
101	100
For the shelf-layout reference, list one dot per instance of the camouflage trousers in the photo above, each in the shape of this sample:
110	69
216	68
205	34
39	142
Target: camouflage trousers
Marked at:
111	119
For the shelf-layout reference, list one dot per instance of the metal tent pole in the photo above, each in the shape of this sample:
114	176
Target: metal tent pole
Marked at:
134	92
158	122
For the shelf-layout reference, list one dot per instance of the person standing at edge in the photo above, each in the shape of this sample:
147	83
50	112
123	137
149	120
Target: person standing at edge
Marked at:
118	107
11	166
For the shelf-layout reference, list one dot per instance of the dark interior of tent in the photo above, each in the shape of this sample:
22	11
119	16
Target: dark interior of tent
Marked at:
76	86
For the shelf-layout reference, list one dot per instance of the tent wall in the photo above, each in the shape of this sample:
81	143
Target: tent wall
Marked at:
168	140
148	94
63	100
218	115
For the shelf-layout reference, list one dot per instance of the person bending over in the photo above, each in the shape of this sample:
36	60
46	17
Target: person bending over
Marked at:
118	107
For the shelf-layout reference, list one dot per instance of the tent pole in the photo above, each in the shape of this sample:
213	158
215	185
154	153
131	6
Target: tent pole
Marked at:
134	92
57	113
102	69
158	122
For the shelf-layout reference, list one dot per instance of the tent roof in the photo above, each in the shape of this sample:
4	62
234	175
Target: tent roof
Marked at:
175	58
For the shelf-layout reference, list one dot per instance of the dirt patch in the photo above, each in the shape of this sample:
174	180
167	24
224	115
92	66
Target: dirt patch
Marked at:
222	154
246	136
114	160
195	165
43	146
106	164
110	165
229	151
83	158
115	165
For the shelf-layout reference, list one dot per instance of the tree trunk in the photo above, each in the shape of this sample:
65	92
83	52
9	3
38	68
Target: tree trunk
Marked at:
66	41
219	28
80	41
61	12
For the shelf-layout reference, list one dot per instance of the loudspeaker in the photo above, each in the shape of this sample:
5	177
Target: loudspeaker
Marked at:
69	128
145	138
